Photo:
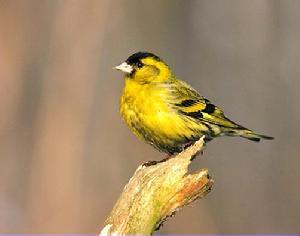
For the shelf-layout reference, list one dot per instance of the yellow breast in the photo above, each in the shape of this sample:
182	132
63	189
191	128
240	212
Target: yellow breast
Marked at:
145	109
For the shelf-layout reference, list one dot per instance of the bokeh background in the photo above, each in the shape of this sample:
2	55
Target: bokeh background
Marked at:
65	153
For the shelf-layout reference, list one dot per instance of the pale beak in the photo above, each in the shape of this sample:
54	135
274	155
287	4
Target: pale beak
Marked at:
124	67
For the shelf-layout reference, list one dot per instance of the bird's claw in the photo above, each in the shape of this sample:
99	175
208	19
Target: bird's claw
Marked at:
153	163
150	163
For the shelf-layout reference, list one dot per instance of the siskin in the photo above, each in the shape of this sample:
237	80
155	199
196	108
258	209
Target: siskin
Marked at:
168	113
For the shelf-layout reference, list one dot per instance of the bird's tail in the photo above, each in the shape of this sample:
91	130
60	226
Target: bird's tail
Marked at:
248	134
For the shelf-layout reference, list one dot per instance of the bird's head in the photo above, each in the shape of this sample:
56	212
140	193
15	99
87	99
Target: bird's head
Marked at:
145	67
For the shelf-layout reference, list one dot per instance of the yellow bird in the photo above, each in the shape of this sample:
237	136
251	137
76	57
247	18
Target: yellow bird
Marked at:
168	113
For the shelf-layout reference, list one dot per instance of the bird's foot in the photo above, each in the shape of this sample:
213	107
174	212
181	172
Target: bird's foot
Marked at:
188	144
150	163
153	163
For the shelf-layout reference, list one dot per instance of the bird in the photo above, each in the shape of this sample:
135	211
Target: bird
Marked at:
168	113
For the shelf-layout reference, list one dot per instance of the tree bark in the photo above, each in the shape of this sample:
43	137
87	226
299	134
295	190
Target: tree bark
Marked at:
156	192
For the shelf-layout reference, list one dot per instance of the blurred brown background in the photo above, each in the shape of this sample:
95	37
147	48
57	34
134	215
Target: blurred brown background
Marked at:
65	152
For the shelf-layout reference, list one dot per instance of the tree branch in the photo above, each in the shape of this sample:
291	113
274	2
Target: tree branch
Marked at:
156	192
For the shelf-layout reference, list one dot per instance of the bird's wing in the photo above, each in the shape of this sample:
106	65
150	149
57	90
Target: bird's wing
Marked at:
190	103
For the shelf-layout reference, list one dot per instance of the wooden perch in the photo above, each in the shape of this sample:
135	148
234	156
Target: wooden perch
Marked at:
156	192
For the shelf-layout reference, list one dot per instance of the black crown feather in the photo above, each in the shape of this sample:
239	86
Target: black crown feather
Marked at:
136	57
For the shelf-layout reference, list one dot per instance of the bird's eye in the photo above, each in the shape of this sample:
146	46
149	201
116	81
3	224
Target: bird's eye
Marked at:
139	64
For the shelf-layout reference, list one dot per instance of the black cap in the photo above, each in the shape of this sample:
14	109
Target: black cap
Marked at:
136	57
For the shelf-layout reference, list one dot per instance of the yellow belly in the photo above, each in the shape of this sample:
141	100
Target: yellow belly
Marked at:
148	114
